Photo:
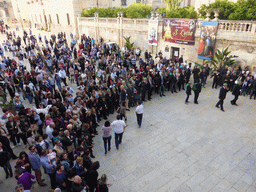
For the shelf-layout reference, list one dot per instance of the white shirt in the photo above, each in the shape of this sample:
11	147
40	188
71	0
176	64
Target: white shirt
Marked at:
49	131
118	126
139	109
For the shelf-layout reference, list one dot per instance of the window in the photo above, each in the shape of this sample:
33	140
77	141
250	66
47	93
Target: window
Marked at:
138	1
189	3
68	19
58	21
50	19
123	2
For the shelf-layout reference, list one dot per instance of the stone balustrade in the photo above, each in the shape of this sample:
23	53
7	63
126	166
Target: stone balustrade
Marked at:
224	25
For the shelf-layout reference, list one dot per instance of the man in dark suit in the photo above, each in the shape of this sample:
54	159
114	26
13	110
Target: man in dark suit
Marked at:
67	142
5	141
197	89
150	88
236	92
222	96
11	90
144	87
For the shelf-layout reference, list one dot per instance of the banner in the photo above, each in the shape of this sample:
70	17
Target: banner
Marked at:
152	31
180	31
207	40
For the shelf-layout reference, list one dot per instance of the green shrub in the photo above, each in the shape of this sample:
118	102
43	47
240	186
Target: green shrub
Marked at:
226	8
185	12
103	12
138	10
162	10
241	10
244	10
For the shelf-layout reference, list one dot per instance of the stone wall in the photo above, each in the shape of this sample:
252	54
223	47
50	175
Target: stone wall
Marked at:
239	36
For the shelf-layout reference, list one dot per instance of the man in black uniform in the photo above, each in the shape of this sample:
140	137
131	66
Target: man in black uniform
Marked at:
222	96
150	88
197	89
236	92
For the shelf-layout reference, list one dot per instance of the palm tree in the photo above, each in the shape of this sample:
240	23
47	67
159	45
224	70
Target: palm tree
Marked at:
222	58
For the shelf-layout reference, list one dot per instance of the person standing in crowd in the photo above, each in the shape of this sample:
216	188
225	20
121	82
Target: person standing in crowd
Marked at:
24	178
197	89
216	79
19	188
119	127
188	91
48	167
5	142
236	92
36	165
5	156
139	113
107	136
103	187
222	96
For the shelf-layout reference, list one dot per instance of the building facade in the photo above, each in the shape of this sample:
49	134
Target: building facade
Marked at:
6	10
239	36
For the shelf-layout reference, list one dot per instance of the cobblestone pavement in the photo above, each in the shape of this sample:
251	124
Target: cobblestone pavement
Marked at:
179	147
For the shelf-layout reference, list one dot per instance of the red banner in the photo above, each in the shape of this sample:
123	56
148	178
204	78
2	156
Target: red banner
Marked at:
180	31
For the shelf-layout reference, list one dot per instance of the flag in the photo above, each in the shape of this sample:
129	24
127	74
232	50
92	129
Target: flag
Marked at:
201	66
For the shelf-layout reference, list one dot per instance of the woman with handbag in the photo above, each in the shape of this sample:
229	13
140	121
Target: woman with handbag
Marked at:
5	156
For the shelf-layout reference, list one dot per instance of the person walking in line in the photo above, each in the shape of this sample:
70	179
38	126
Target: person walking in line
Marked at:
119	127
107	136
139	113
236	92
222	96
188	92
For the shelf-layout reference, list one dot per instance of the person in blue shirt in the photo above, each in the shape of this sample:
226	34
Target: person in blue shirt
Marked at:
35	164
39	123
49	168
60	177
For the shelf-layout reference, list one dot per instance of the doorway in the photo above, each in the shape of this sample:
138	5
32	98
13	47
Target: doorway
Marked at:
175	52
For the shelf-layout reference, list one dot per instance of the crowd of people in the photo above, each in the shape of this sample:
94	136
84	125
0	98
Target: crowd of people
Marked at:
59	129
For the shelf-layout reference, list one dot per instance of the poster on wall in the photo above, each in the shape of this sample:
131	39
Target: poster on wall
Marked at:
181	31
207	40
152	31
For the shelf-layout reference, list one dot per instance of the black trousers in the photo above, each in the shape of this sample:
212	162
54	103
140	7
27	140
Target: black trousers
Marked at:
139	118
64	80
8	169
235	99
220	103
196	97
24	138
149	93
187	98
215	84
15	137
52	179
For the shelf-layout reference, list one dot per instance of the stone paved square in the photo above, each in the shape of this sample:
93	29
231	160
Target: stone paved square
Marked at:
180	147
